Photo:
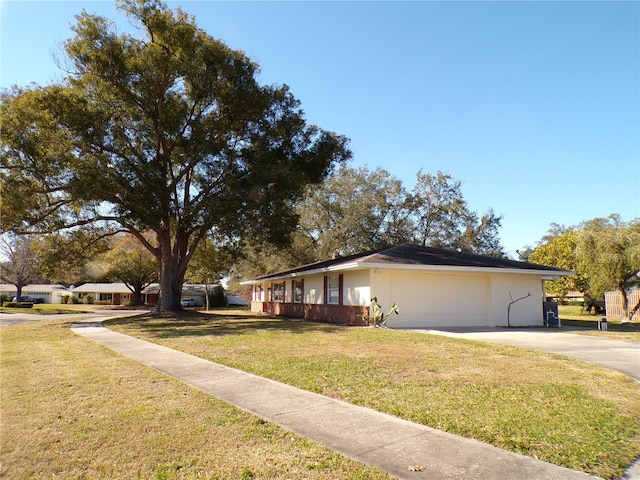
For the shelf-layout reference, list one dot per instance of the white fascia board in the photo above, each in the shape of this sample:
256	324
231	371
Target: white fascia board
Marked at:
465	269
545	274
305	273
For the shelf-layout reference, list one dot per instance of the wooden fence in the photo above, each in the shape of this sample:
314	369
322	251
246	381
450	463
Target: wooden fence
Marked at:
613	303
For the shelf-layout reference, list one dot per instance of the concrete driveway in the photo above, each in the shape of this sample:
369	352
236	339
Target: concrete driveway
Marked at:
620	355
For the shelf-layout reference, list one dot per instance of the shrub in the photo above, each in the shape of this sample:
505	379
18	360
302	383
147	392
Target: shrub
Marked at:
87	300
377	318
70	299
218	297
18	304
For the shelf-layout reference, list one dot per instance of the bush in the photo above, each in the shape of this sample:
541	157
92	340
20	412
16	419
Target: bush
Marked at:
87	300
18	304
70	299
218	297
4	298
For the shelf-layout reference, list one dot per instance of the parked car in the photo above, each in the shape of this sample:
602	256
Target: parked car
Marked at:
27	299
188	302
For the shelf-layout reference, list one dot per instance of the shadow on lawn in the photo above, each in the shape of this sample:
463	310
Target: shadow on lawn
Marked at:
218	324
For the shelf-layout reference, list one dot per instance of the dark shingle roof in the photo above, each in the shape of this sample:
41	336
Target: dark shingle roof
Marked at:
409	254
416	255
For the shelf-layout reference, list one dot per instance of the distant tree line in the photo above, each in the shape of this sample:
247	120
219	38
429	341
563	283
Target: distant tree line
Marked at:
357	210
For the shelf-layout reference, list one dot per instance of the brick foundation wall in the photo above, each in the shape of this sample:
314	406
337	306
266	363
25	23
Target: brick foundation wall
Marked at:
340	314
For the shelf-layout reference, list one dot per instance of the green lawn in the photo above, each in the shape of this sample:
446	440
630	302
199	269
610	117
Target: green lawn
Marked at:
574	316
50	309
72	409
560	410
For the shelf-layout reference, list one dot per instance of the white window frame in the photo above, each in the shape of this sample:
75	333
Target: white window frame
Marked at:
278	292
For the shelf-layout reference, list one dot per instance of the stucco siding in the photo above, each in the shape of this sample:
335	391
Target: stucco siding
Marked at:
526	312
440	299
314	290
356	288
432	300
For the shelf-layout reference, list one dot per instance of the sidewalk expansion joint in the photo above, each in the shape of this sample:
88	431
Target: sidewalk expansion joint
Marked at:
388	444
310	407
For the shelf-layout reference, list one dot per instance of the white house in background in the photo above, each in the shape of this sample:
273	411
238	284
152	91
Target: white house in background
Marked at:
49	293
431	287
116	293
119	294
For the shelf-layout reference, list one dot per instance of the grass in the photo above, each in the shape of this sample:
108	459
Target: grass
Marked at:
48	309
72	409
575	312
574	316
564	411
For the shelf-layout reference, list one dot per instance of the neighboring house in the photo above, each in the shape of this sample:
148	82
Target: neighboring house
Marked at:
573	296
431	287
237	301
119	294
116	293
49	293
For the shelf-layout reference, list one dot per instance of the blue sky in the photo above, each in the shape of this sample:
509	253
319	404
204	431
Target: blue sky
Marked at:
533	106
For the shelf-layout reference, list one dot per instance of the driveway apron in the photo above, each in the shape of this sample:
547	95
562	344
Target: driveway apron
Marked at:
617	354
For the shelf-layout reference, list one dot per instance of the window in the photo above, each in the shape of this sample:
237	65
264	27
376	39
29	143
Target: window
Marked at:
105	297
278	292
333	290
298	291
257	293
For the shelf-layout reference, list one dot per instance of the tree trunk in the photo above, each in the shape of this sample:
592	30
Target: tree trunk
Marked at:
18	290
206	294
170	287
137	295
634	310
625	304
137	292
171	280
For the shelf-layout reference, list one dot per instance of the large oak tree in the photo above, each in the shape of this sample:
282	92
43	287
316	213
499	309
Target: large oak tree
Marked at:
168	132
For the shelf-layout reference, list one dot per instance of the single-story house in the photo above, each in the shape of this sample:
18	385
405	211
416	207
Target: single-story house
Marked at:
432	288
573	296
49	293
117	293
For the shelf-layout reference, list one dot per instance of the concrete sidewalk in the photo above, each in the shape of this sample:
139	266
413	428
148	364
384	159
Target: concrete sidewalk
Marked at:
371	437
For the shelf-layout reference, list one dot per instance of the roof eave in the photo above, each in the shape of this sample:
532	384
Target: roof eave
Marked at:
304	273
467	269
545	274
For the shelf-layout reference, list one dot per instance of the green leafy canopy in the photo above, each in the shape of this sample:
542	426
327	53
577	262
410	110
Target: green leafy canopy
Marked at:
168	132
